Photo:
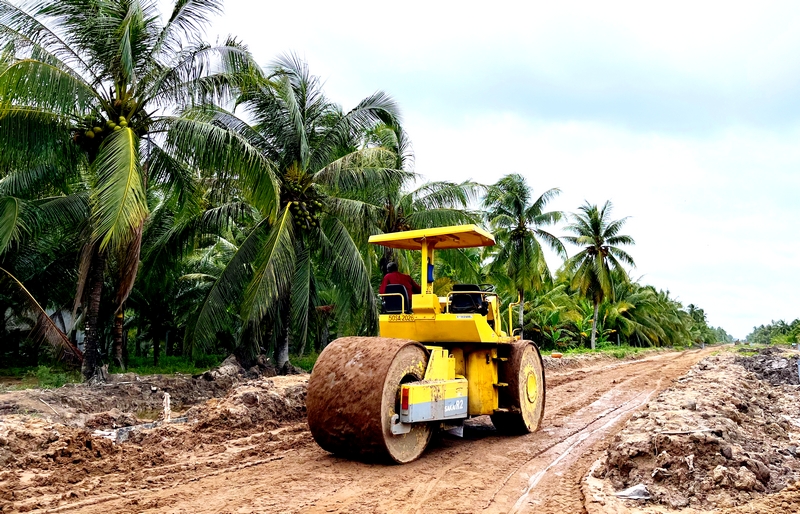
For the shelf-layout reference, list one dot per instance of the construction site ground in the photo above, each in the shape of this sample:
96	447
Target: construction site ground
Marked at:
700	431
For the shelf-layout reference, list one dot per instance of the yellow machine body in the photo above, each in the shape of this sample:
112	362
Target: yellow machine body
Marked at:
470	339
441	395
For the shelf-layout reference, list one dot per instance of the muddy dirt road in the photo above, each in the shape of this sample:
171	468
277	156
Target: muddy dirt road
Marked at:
281	469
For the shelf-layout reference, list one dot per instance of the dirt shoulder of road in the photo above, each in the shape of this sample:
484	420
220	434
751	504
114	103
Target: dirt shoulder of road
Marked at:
583	360
47	464
723	438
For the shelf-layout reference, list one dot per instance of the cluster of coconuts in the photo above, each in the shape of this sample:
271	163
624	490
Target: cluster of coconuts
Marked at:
306	213
93	132
304	202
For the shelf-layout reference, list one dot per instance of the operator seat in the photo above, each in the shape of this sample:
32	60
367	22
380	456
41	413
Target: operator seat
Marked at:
468	302
393	304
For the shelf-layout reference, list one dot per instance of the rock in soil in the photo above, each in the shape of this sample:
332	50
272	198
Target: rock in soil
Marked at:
725	434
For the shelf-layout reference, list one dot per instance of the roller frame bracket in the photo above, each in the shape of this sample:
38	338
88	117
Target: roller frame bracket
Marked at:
398	427
456	431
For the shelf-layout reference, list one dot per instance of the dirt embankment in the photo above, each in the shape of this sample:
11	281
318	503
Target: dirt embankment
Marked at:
726	434
47	464
585	360
126	399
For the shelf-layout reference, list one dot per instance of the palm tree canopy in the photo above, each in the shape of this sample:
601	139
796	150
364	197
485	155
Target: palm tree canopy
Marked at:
593	266
113	72
516	217
88	149
324	160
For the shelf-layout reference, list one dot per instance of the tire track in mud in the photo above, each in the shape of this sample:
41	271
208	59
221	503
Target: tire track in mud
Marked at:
560	455
601	400
482	472
553	480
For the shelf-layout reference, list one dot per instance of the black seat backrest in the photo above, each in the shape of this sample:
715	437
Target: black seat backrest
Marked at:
393	304
467	302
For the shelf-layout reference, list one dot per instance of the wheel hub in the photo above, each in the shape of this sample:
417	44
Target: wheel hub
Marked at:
531	387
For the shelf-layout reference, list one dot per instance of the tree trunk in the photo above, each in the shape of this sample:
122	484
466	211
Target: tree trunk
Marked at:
125	346
91	341
282	344
137	351
521	313
3	309
118	337
170	345
322	342
388	256
156	347
594	322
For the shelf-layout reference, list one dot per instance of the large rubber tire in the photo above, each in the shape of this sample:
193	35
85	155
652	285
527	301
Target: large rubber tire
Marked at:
354	391
525	395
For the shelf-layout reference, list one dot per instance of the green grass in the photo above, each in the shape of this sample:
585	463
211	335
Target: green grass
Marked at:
56	375
618	352
170	365
49	378
305	362
43	377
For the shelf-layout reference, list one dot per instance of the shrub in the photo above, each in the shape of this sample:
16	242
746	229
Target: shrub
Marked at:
49	379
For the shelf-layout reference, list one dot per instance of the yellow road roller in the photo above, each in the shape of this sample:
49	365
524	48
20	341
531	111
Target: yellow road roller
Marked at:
439	360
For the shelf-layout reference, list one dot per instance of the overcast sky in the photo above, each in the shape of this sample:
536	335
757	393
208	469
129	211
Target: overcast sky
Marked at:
685	115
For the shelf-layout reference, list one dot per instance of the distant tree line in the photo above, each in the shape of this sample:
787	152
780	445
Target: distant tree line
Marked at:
776	332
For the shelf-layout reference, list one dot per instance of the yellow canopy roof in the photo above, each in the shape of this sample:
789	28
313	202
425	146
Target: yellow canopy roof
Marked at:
441	238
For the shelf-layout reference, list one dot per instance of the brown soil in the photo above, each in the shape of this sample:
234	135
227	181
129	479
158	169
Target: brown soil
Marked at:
251	451
143	396
721	437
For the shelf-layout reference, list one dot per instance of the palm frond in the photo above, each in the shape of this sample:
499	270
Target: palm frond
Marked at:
118	201
442	217
273	271
345	260
301	297
360	170
196	139
128	266
11	223
65	94
24	25
227	291
188	19
45	328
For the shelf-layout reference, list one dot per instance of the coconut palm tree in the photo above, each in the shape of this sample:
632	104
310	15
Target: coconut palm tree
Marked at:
104	132
592	268
516	218
324	161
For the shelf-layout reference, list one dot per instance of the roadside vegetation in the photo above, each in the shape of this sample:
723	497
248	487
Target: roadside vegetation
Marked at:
776	332
165	202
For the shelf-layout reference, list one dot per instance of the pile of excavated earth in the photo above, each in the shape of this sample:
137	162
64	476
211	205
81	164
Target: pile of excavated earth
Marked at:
58	445
726	436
